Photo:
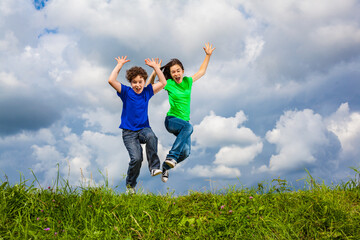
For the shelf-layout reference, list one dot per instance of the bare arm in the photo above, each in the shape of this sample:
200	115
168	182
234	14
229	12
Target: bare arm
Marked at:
156	64
151	79
208	50
112	79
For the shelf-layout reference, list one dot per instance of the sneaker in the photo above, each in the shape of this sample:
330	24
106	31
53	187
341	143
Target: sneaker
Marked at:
130	190
155	172
170	162
165	175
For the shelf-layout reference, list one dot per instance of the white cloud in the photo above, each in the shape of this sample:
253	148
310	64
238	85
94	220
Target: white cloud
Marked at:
238	145
320	35
298	136
47	157
214	131
218	171
9	43
45	154
253	48
346	126
105	121
43	136
115	19
333	36
80	157
237	156
8	81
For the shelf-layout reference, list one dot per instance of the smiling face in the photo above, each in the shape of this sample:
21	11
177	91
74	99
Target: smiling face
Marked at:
137	84
176	73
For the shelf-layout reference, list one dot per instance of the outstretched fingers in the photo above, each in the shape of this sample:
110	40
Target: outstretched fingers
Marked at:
153	62
122	59
209	48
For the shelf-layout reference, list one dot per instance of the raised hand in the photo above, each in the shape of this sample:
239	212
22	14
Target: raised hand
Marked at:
153	62
156	64
122	60
208	48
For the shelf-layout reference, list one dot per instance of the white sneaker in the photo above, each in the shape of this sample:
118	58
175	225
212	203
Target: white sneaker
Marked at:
170	162
155	172
165	176
130	190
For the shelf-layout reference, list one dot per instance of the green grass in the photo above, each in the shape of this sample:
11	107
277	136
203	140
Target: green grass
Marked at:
270	211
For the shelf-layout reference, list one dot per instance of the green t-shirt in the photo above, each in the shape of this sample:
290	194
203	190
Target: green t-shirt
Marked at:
179	98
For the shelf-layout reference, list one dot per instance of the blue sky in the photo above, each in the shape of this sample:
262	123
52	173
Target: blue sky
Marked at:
281	93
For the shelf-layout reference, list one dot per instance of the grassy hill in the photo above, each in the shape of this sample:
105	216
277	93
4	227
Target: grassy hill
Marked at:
270	211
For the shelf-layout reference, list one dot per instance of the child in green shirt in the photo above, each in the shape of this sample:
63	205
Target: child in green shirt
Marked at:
177	119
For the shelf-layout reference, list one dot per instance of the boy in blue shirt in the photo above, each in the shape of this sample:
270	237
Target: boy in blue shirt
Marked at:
134	116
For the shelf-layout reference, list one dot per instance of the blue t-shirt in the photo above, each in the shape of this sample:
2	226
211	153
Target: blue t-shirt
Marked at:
134	114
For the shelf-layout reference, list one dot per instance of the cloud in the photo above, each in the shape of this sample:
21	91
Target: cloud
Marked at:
25	113
115	19
81	156
320	35
346	126
105	121
300	138
52	75
47	157
29	97
215	131
219	171
253	48
237	156
238	145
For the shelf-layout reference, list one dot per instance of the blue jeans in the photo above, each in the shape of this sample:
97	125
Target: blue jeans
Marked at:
182	145
132	141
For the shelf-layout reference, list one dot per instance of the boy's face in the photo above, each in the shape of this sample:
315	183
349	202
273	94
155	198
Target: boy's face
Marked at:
176	73
137	84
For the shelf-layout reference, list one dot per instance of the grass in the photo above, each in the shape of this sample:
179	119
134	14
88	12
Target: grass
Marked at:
270	211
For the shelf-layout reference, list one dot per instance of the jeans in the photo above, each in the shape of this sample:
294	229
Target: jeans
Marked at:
182	145
132	141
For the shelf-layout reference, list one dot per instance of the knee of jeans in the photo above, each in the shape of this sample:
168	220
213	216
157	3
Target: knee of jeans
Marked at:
136	158
135	161
151	137
190	128
186	152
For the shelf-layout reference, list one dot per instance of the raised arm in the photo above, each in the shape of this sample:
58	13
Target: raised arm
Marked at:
208	50
112	79
156	64
151	79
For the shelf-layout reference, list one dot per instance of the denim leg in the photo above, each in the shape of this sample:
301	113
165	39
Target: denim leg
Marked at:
132	144
186	150
182	130
183	155
147	136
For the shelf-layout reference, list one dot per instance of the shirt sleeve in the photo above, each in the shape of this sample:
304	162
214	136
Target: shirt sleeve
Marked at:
124	91
190	82
150	91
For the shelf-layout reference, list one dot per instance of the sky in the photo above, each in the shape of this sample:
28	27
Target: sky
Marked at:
280	96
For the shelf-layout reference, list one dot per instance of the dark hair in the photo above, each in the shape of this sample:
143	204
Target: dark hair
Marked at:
134	72
166	68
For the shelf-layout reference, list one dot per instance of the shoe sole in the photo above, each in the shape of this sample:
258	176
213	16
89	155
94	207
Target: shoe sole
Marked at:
165	178
170	163
156	174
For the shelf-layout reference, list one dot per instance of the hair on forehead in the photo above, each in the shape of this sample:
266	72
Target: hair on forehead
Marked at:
166	68
134	72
